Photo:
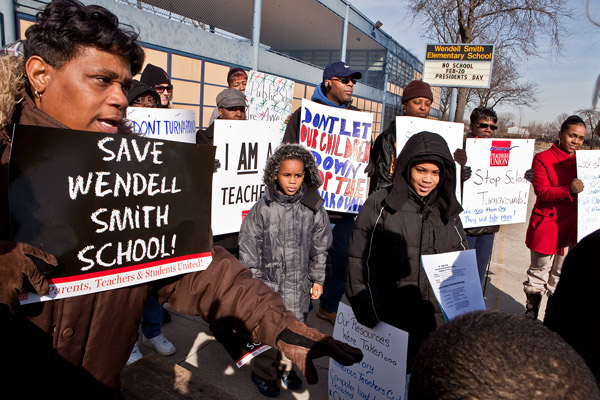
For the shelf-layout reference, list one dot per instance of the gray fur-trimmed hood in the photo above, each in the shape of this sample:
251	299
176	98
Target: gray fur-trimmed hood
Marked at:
312	177
295	151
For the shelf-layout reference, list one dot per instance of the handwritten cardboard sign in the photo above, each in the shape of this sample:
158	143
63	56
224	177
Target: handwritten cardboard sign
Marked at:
242	149
163	123
269	98
452	133
116	210
382	372
340	141
497	191
455	282
588	201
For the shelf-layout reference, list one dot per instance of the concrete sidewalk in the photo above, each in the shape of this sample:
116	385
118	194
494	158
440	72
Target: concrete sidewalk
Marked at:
508	268
198	351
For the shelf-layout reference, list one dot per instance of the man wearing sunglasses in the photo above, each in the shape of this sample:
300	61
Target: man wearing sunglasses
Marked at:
335	91
157	78
483	125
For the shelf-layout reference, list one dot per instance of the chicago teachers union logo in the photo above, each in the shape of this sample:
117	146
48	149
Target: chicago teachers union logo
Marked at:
500	153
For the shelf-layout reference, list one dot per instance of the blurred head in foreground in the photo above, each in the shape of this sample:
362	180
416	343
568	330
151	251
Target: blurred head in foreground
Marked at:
496	355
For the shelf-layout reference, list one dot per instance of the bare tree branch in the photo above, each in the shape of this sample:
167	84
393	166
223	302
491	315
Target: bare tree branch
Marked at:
514	27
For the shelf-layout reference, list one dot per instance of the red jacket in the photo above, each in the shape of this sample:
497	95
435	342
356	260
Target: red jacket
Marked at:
553	221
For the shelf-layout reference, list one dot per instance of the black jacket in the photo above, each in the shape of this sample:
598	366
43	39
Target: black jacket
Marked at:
206	136
572	309
383	156
386	281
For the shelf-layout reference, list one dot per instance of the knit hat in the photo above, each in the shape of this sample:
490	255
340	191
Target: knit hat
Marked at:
417	89
234	73
231	98
154	75
139	88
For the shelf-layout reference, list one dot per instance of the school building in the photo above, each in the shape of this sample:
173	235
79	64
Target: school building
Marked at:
197	42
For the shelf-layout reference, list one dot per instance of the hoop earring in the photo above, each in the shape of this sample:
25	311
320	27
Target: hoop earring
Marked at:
37	94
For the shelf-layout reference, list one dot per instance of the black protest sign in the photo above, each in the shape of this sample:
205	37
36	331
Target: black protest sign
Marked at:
116	210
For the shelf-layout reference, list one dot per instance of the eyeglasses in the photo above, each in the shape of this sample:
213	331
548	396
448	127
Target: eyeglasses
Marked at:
345	81
145	102
160	88
485	126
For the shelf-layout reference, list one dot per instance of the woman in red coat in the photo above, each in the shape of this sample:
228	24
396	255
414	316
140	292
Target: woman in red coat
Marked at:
552	226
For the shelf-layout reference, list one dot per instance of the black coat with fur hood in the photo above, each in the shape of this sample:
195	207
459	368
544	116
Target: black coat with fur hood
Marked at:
386	281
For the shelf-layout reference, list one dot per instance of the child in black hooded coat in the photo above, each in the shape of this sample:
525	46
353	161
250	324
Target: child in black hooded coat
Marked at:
418	214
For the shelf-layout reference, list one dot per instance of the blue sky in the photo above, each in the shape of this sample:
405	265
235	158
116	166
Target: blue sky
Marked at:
565	82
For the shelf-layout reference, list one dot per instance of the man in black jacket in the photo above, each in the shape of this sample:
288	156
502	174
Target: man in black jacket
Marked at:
335	91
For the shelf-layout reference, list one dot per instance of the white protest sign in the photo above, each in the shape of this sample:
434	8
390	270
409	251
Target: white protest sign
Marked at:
382	372
455	281
497	191
452	133
269	98
406	127
340	141
242	149
163	123
588	201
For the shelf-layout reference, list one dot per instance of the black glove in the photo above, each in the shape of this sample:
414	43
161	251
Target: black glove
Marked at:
529	175
301	344
217	165
366	317
23	267
465	173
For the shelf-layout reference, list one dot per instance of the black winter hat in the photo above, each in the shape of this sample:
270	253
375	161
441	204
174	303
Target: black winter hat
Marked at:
154	75
139	88
417	89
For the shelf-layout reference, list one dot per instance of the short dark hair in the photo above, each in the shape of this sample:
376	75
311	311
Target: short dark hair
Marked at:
67	25
483	112
496	355
571	120
234	71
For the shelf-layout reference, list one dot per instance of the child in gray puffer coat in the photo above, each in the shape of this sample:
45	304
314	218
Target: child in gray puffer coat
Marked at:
284	241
